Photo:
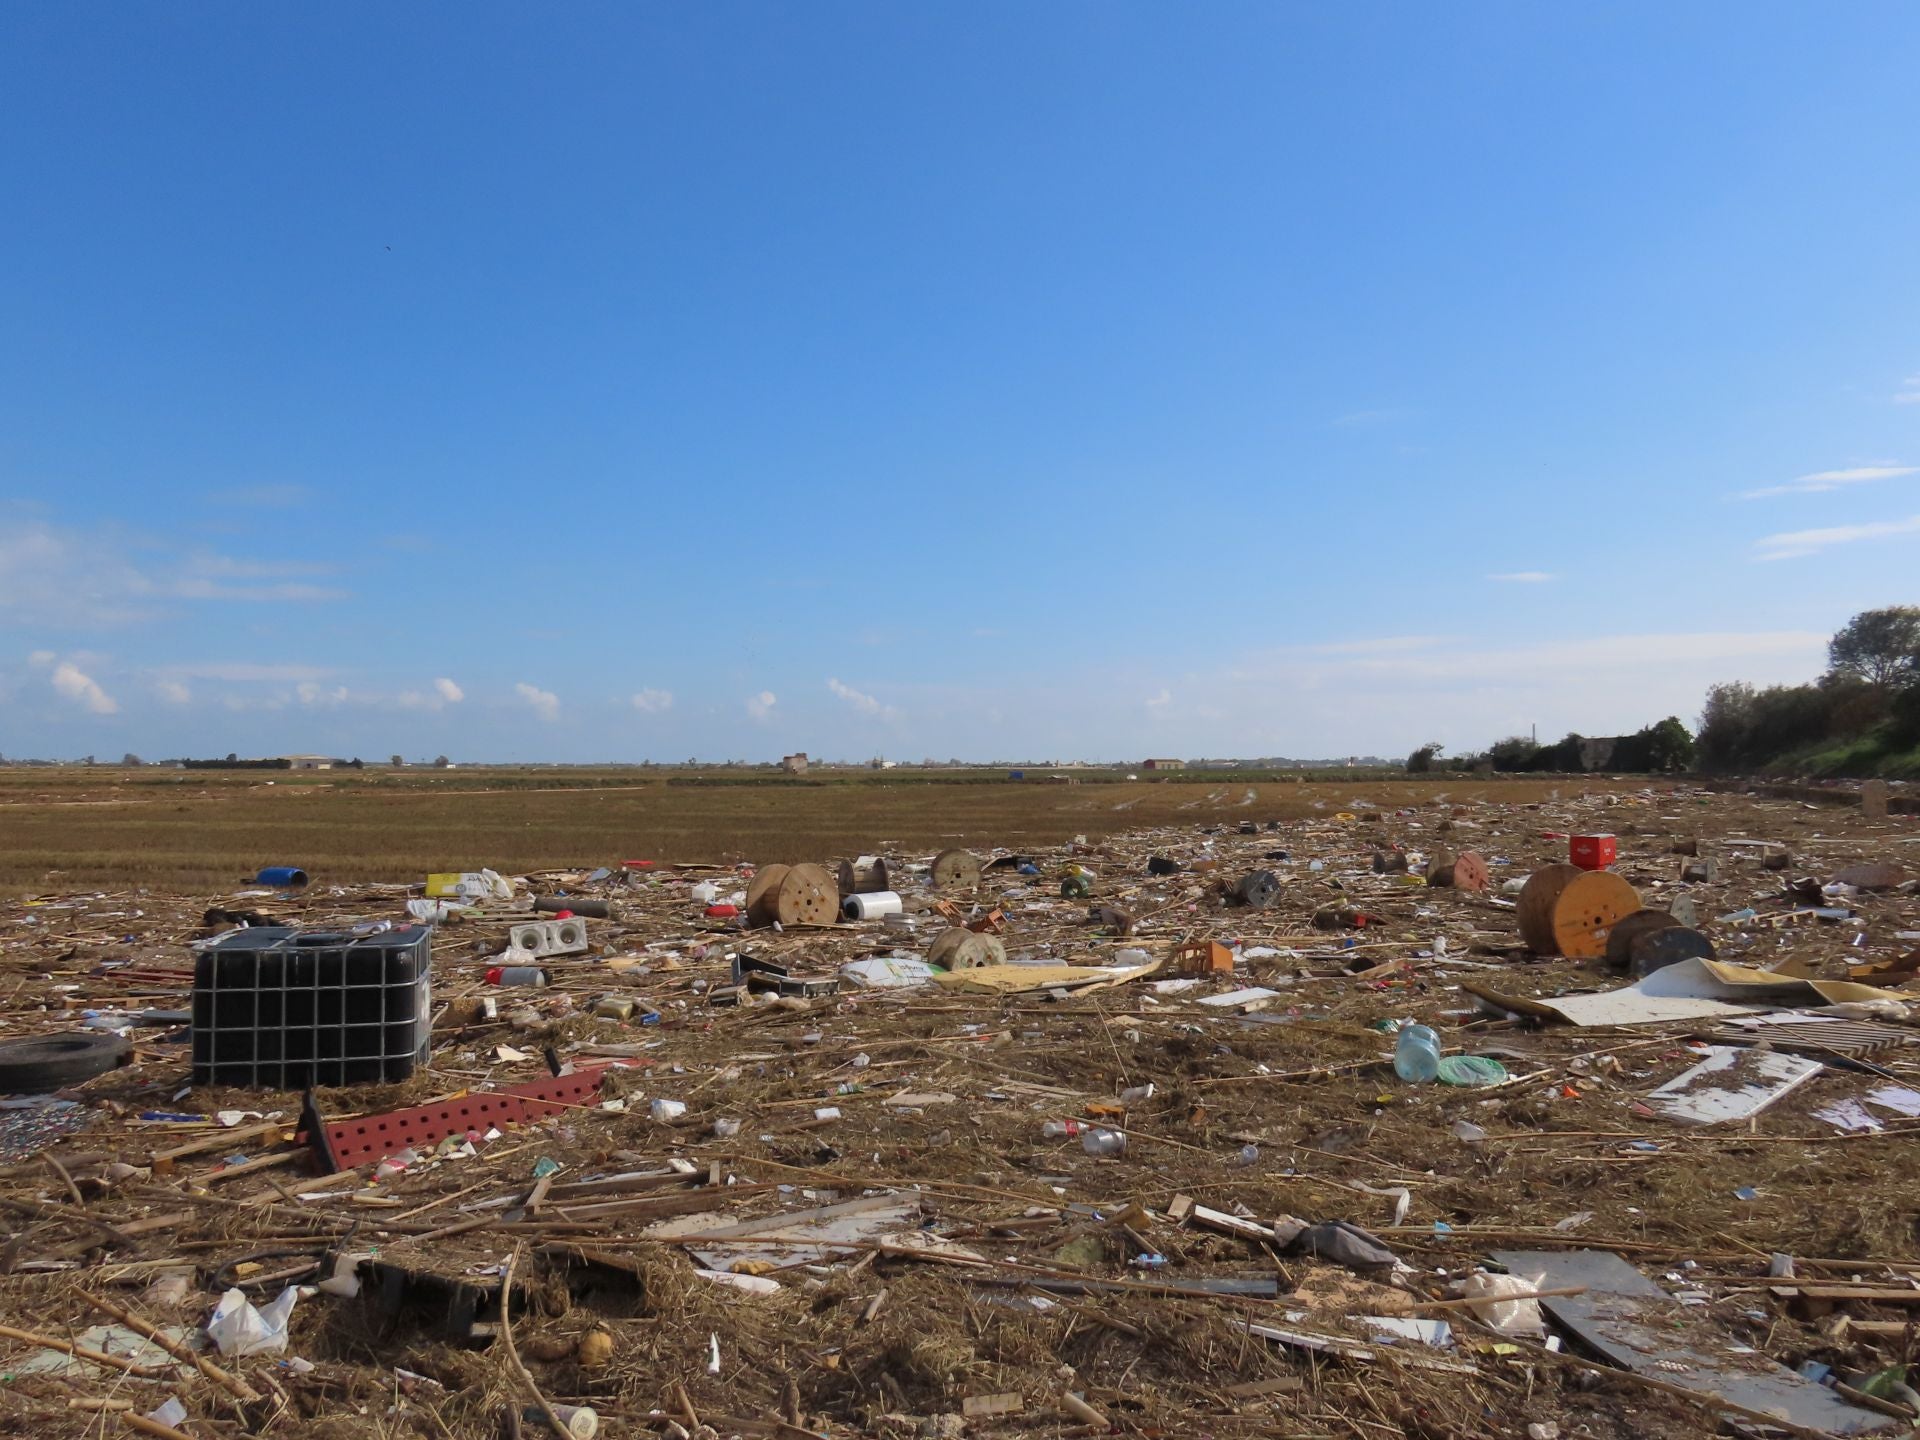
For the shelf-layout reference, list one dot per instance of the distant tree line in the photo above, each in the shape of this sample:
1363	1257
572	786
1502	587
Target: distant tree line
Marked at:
1869	695
1868	700
1659	749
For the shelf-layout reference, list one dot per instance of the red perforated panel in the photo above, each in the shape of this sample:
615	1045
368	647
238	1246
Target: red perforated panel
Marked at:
373	1137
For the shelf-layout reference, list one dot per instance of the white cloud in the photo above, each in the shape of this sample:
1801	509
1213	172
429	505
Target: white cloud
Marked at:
173	692
1164	698
862	702
1909	392
242	672
443	694
545	703
78	686
653	702
761	706
1822	481
312	693
61	576
40	659
1381	645
1793	544
1522	577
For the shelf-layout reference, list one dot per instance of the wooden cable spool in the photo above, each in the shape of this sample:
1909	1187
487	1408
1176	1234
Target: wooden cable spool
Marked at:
807	895
962	949
956	870
760	892
1470	873
1565	910
1620	938
1656	949
1465	871
1257	890
866	876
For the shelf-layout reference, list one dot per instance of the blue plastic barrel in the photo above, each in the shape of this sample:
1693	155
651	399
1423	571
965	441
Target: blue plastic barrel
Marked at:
281	877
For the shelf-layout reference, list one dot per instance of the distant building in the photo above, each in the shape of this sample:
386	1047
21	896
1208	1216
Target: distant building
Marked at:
1164	765
309	762
794	764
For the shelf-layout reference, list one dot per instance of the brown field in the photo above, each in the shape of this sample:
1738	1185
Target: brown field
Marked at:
941	1105
109	828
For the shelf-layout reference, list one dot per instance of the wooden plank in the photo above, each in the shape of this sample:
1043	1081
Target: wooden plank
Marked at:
1007	1403
162	1160
250	1167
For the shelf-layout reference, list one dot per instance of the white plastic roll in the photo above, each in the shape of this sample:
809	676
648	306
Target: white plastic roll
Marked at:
871	907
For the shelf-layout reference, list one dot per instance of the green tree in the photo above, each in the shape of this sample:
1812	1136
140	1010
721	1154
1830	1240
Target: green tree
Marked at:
1904	720
1725	721
1422	760
1516	752
1882	647
1669	745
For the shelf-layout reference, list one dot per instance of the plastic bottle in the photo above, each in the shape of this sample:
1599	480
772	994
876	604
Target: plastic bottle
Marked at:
516	975
1103	1142
1416	1056
1059	1129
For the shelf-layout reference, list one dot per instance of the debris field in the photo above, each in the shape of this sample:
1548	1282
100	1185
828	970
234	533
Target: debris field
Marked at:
1140	1136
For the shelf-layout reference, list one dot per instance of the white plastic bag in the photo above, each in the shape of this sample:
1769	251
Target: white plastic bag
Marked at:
1509	1317
238	1329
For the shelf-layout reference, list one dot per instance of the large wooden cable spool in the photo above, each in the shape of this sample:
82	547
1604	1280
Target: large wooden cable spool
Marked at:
956	870
808	895
1620	938
866	876
1653	950
761	891
962	949
1564	910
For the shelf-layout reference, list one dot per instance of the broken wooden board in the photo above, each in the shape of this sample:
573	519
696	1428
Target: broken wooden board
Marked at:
1731	1083
821	1235
1632	1322
978	1407
1243	1001
1690	990
1814	1035
1017	979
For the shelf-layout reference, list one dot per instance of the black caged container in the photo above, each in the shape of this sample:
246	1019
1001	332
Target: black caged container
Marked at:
284	1009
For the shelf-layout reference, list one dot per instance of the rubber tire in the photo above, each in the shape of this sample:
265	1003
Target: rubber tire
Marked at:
43	1063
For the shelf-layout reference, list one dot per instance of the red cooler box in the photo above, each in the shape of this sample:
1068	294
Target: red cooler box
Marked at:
1592	852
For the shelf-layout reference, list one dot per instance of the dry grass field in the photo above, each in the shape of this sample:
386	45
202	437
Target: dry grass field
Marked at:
63	829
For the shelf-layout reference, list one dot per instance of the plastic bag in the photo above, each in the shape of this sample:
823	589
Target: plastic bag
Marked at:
238	1329
1509	1317
1471	1070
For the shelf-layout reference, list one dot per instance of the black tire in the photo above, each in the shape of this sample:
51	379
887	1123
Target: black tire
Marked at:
41	1063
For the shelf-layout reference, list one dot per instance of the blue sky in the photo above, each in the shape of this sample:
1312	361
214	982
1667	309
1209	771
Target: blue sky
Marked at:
622	382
